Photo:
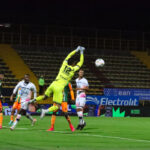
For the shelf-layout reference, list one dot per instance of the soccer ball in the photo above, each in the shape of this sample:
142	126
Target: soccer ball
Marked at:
99	62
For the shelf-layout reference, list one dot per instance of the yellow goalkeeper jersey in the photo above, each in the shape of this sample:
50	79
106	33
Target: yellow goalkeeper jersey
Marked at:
66	71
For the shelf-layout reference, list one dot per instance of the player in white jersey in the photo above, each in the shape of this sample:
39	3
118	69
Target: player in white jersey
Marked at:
23	90
81	87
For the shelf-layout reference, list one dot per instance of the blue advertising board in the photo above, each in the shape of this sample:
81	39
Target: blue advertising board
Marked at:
119	100
143	94
113	100
92	99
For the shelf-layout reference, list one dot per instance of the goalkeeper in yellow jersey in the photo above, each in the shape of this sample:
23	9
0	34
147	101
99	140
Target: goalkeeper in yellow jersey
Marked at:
64	106
65	74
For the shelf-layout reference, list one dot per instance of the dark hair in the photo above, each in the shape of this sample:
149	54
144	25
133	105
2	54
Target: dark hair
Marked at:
73	60
81	69
27	74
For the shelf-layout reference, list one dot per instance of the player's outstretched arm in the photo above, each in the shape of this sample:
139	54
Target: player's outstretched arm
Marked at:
72	53
80	63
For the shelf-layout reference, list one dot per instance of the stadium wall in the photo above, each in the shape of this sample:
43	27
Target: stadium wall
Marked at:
15	63
143	57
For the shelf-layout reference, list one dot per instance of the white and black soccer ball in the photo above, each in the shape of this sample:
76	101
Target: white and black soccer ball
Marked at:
99	62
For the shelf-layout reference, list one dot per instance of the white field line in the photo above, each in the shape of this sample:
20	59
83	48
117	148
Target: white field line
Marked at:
16	128
92	135
104	136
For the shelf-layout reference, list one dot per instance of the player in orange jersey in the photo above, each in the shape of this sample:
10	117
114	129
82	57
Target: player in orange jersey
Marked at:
1	107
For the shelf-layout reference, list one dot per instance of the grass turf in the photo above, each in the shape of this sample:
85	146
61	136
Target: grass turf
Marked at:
101	133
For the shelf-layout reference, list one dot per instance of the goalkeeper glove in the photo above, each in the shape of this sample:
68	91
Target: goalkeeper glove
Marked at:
82	49
78	48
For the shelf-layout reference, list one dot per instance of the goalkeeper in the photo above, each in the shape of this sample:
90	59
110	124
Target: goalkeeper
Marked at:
65	74
64	106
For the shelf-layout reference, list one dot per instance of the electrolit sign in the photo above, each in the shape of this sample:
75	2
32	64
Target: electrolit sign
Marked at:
119	100
112	100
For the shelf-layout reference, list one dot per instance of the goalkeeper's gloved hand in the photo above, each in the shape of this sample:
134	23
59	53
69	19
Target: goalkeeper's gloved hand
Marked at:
82	49
78	48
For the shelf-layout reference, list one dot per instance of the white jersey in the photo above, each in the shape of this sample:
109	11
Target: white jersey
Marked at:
80	83
24	90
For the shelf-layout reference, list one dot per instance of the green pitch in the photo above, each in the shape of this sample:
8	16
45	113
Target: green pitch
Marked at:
100	134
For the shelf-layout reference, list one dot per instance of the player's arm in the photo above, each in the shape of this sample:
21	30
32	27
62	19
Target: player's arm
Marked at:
14	92
34	91
71	92
80	63
86	88
71	54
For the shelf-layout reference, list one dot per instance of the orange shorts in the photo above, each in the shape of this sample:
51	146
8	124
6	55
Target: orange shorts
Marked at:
16	105
64	106
1	107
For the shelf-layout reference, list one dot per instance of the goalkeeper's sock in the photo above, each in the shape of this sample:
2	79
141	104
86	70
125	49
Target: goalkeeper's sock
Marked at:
53	121
39	98
53	108
1	119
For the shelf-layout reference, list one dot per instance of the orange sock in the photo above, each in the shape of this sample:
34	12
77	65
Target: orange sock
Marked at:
1	118
69	120
12	117
53	121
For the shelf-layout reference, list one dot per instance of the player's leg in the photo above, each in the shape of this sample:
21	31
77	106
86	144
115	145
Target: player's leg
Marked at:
33	120
53	118
65	111
47	94
80	103
53	108
15	105
17	119
24	106
1	115
57	91
28	115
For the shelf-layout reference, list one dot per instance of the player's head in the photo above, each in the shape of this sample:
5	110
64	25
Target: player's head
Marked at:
73	60
81	73
27	78
1	76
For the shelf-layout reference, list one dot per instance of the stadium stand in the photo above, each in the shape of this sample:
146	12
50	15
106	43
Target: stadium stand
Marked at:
125	71
48	63
15	63
9	81
122	70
